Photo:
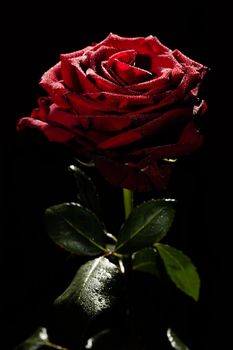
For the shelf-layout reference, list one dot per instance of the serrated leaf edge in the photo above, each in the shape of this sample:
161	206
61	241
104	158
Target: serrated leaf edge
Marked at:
142	227
75	228
194	267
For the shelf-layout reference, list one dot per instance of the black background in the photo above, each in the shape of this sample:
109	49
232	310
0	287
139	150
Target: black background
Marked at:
35	172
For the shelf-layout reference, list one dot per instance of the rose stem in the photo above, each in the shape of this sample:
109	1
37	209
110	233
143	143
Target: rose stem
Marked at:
136	339
128	201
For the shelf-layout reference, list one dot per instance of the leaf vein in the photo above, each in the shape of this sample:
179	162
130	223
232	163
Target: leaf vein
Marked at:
141	228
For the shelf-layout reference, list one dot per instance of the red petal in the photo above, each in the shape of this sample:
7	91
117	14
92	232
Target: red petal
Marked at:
61	117
51	82
148	46
151	128
155	85
190	78
113	123
201	108
103	123
158	175
190	140
121	175
43	110
69	75
84	104
110	123
81	126
67	56
105	84
127	56
119	102
142	177
85	83
188	61
164	61
53	133
101	54
130	74
106	73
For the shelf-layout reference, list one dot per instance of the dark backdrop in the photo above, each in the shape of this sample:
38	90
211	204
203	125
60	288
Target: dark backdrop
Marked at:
36	172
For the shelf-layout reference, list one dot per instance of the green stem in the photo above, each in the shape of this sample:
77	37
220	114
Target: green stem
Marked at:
128	201
54	346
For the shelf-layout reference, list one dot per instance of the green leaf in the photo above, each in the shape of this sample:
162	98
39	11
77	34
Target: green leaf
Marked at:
148	260
148	223
87	195
92	291
180	269
39	339
75	228
175	342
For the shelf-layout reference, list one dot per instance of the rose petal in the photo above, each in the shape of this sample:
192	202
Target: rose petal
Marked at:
151	176
101	54
121	175
127	56
167	120
164	61
191	137
43	110
53	133
182	92
119	102
106	85
151	128
51	82
190	140
201	108
188	61
68	71
157	85
107	74
90	103
148	46
116	77
69	75
67	56
85	83
130	74
111	123
158	175
67	126
63	118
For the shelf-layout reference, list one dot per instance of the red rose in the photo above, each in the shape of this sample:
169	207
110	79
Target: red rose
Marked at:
127	104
